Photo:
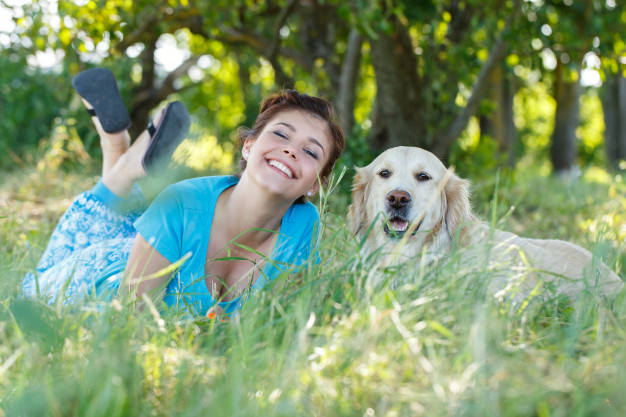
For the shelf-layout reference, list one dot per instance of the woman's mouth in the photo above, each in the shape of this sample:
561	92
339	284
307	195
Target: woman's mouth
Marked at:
281	167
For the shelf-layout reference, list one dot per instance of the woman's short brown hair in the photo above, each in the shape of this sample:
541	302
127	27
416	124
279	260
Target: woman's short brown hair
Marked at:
293	100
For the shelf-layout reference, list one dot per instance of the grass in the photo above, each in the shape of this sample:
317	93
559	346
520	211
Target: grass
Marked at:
436	344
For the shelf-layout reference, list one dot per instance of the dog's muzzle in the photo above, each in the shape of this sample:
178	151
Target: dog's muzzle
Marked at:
398	208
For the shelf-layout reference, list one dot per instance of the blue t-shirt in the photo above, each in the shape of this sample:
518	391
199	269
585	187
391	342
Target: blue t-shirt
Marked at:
178	224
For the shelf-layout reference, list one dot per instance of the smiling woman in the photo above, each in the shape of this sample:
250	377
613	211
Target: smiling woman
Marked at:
287	157
314	108
203	244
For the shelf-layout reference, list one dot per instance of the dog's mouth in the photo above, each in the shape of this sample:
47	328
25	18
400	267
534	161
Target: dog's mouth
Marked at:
397	226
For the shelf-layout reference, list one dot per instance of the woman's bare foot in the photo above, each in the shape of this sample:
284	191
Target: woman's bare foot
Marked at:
128	168
113	145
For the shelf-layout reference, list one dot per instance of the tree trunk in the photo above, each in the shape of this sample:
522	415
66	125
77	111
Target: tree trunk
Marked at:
500	124
614	108
143	95
509	135
563	147
398	118
346	94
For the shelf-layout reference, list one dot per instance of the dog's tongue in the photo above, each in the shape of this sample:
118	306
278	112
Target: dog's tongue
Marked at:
398	225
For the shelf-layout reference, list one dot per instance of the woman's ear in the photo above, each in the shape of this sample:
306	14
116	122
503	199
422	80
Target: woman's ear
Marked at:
314	189
245	149
319	183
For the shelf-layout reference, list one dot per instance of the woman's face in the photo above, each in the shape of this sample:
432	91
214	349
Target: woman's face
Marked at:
289	153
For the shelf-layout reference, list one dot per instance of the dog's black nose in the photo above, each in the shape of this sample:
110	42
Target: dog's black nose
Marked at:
398	199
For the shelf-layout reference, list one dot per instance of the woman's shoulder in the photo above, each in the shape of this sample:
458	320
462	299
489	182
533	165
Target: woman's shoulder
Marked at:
198	193
205	183
302	213
201	186
298	231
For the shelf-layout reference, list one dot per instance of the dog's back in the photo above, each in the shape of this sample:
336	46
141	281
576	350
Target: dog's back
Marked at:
565	267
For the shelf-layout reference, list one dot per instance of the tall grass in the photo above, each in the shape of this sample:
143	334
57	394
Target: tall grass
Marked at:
348	338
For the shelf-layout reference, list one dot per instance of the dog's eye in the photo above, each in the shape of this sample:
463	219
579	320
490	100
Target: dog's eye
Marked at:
384	173
422	176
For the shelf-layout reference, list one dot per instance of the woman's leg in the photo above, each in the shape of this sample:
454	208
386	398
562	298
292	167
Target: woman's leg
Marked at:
109	210
100	94
99	220
93	216
101	213
123	164
113	145
128	167
96	219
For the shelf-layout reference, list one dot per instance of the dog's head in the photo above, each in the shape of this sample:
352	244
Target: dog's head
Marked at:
408	190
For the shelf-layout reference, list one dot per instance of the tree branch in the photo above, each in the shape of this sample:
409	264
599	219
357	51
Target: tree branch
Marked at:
284	13
147	96
262	45
479	88
178	19
167	87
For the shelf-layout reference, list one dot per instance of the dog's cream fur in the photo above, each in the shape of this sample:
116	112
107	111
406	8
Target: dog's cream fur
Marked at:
409	190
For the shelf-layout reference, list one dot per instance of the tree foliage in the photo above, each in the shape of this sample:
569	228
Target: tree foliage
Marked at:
399	72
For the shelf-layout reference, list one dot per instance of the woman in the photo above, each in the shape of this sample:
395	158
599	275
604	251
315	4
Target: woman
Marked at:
202	242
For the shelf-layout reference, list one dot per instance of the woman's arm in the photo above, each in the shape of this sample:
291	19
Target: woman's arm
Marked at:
146	271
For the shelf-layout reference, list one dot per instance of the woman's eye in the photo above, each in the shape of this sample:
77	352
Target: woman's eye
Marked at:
311	153
384	173
422	177
280	134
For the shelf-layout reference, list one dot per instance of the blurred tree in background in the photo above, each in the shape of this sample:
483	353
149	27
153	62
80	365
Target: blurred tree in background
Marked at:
499	79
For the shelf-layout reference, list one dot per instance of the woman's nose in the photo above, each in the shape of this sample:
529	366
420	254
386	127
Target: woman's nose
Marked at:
290	152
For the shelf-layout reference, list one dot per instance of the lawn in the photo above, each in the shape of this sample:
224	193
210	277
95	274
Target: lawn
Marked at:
424	340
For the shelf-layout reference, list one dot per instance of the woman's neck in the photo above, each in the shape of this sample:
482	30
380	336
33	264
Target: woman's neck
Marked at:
244	207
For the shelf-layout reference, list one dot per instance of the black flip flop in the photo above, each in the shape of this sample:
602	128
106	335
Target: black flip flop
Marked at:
99	88
172	129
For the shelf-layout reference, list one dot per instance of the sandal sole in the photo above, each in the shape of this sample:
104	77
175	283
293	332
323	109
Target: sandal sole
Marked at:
171	131
99	87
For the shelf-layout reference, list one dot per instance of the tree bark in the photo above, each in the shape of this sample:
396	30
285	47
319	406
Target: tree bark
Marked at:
563	147
614	108
346	96
398	115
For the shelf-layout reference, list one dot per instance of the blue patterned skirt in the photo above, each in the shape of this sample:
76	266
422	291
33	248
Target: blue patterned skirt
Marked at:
89	248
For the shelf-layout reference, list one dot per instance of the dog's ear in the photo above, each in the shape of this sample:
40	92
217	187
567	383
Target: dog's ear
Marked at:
357	216
457	204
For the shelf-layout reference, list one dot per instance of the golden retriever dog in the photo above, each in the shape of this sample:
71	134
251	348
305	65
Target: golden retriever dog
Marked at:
407	203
